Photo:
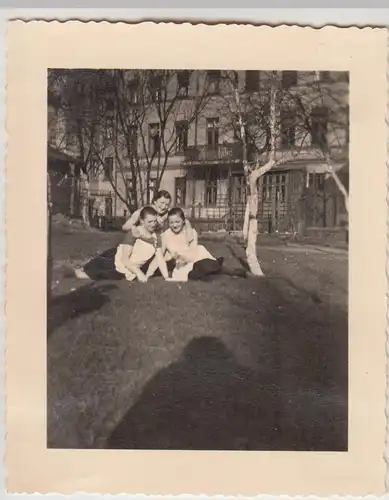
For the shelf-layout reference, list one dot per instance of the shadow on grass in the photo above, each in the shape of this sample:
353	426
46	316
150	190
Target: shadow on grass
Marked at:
294	397
66	307
205	401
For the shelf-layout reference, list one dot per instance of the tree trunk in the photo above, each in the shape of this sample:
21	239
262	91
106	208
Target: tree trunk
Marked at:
251	245
72	190
246	219
254	175
85	201
338	182
341	188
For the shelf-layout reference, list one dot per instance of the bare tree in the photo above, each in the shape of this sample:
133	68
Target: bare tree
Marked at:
322	110
140	118
155	110
257	118
78	122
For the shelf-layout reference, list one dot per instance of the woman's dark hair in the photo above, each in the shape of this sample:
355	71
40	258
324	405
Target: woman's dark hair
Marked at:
147	211
176	211
162	194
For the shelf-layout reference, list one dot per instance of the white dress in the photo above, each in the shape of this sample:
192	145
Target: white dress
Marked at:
178	246
141	252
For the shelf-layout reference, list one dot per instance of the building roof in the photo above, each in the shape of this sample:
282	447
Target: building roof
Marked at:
55	154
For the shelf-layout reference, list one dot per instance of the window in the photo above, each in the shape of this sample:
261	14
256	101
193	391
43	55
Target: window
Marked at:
94	168
251	149
133	91
288	128
53	130
133	140
319	127
71	134
214	81
325	76
213	132
211	188
156	87
252	81
317	181
152	187
154	139
179	191
109	105
289	78
238	190
109	127
344	76
108	168
267	187
130	191
108	207
280	185
183	78
181	136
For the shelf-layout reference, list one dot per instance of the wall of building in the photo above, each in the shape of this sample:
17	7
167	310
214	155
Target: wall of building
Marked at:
195	202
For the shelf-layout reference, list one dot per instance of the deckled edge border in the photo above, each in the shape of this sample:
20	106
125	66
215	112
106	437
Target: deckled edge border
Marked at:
3	250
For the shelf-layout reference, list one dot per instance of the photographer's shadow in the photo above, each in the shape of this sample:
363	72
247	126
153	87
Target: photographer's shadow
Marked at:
205	401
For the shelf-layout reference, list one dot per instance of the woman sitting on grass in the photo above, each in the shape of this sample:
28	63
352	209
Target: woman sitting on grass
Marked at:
161	204
132	258
192	261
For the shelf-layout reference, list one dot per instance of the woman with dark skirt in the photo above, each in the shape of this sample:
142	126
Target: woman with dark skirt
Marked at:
103	267
192	261
134	259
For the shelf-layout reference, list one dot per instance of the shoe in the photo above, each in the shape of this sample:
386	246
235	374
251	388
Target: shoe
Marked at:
81	274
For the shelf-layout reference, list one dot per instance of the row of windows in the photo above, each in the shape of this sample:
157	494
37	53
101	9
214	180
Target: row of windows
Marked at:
319	130
273	188
214	77
270	190
252	82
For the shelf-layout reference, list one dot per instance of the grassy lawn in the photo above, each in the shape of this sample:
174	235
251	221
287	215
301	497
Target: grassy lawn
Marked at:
231	363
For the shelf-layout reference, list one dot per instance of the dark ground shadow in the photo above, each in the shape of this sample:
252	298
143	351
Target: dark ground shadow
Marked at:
205	401
295	398
74	304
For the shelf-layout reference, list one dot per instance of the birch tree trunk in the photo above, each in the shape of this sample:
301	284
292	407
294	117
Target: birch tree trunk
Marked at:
252	201
252	230
72	189
85	200
337	181
244	159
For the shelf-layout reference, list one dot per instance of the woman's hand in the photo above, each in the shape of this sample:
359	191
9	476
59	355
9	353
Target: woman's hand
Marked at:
142	277
180	261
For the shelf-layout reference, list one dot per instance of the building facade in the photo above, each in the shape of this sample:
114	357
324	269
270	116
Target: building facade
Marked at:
203	170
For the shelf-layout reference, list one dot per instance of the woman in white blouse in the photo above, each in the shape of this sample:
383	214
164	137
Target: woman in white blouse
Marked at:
192	261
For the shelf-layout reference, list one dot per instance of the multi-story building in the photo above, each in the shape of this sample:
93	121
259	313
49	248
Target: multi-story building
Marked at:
204	170
63	165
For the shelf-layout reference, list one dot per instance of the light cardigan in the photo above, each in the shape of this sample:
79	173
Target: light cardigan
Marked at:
135	251
178	246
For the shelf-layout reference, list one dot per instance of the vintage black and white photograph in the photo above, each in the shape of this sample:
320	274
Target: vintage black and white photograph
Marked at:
197	259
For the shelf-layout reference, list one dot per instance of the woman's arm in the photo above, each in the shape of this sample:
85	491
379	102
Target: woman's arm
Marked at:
190	231
164	247
194	240
153	266
161	263
132	221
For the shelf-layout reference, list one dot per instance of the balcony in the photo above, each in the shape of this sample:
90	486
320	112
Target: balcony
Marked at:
220	153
